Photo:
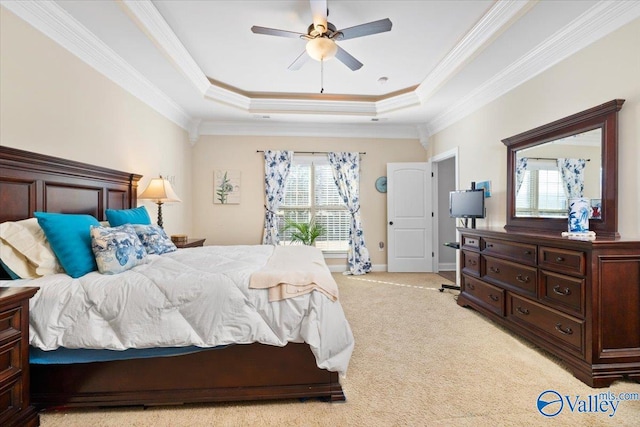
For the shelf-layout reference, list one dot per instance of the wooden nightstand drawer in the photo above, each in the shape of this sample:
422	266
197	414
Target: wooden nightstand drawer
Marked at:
15	406
10	363
10	400
10	324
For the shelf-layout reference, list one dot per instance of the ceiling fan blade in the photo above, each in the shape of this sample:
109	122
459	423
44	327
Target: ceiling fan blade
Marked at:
319	13
274	32
299	62
348	60
369	28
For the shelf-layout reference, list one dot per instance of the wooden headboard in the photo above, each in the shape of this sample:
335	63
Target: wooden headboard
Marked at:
31	182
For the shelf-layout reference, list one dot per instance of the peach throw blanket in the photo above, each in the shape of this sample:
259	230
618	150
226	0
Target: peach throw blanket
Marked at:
295	270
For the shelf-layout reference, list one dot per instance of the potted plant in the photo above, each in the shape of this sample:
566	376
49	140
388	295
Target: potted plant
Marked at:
305	232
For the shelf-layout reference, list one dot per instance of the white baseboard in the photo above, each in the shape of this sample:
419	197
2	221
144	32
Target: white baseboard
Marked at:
447	266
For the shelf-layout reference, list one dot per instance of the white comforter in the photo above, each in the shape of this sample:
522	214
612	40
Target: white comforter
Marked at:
198	296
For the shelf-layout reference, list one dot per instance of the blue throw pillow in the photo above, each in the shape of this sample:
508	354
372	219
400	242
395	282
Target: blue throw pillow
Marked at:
69	237
118	217
117	249
154	239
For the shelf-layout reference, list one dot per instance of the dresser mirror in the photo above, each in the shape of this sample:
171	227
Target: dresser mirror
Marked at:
538	187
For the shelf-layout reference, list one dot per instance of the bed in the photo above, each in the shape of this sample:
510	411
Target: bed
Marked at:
31	182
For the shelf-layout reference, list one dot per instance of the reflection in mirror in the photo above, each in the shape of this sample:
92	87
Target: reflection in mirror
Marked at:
547	175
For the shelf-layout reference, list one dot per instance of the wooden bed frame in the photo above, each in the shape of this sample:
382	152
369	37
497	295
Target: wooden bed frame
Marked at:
32	182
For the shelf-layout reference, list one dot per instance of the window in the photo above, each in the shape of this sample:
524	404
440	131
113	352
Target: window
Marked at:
542	191
312	193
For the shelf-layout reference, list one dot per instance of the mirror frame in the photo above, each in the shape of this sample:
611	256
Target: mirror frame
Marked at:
603	117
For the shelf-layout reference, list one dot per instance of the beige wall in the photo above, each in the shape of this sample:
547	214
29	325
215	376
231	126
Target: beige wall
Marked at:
608	69
243	223
53	103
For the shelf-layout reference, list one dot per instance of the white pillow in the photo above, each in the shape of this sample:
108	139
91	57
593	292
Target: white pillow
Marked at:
25	249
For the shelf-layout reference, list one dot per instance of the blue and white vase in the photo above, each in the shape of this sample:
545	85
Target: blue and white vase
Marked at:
579	212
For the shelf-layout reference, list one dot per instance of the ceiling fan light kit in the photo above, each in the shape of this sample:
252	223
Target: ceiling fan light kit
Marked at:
321	36
321	48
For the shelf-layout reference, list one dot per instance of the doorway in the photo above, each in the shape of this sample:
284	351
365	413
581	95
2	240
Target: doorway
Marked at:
445	174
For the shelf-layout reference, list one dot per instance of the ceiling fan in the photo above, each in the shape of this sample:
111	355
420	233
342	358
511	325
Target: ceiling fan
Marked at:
322	35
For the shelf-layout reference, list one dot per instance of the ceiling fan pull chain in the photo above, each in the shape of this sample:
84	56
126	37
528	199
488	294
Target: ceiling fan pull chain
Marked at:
321	75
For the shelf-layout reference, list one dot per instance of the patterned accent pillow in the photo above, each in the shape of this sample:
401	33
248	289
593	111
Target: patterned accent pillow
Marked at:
154	239
116	249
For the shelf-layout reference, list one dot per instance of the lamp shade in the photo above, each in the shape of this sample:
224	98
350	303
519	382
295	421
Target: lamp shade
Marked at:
159	190
321	48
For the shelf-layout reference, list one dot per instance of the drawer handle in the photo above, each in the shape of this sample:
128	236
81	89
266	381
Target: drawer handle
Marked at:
472	262
489	245
567	331
494	269
493	297
559	259
559	291
471	286
522	279
522	310
527	252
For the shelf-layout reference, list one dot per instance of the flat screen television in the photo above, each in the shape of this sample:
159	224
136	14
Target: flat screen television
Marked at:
466	204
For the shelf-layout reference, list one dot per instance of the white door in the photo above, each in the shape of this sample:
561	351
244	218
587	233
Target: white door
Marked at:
409	217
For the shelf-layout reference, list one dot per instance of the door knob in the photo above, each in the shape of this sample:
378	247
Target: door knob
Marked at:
390	222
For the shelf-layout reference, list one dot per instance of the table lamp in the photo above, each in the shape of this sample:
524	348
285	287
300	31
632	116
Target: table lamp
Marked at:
160	191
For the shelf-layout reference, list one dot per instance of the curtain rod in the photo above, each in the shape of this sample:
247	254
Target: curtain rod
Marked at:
311	152
549	158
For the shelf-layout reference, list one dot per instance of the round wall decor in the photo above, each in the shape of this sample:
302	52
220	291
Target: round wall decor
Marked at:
381	184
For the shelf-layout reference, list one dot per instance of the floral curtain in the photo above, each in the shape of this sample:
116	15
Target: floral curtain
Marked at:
346	174
572	171
521	168
277	165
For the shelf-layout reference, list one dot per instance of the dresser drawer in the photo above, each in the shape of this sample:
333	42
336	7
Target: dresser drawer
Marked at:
471	263
566	331
517	277
563	292
472	242
489	296
564	260
520	252
10	324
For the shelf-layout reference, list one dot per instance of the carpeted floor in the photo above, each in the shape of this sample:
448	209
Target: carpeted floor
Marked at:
419	360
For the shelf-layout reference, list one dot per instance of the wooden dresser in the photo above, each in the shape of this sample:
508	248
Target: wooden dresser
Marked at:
15	407
579	300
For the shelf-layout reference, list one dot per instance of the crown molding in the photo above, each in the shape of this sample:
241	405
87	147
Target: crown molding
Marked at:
62	28
500	16
600	20
377	131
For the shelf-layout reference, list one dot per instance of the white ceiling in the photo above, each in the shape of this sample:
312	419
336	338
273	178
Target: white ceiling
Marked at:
199	64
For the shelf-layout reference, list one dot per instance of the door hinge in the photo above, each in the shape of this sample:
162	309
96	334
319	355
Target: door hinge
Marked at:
432	214
432	175
433	254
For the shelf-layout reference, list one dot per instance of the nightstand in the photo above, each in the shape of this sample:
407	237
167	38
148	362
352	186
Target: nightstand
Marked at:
191	243
15	403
